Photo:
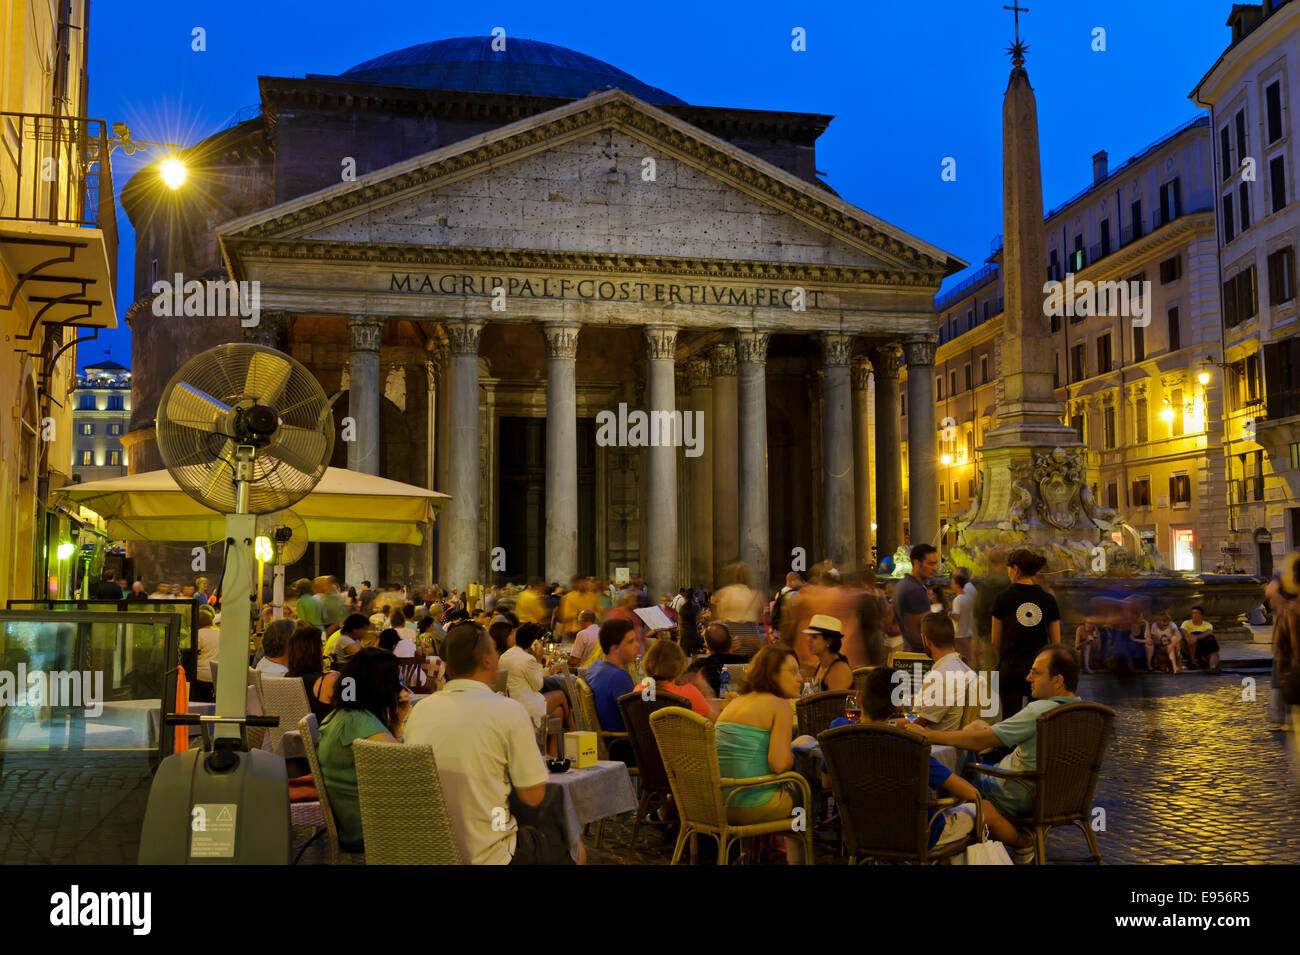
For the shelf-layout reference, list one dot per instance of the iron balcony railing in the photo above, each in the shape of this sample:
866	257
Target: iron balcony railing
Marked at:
56	170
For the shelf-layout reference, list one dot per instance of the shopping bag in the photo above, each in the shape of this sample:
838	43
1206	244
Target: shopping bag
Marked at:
985	852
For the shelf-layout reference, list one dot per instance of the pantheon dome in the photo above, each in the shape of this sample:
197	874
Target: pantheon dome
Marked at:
527	67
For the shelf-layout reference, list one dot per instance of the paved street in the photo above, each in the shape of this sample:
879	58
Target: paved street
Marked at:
1191	776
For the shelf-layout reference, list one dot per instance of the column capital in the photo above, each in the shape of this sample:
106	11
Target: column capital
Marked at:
861	374
269	330
463	337
920	351
751	345
661	341
886	360
723	359
561	339
698	371
837	349
364	332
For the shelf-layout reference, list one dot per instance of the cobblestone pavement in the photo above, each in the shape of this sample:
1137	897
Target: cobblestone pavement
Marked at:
1192	776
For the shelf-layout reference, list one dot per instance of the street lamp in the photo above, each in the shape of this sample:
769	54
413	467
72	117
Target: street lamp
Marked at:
172	171
1167	412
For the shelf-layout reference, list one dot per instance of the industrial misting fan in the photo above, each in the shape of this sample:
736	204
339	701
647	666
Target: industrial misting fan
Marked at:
284	536
244	430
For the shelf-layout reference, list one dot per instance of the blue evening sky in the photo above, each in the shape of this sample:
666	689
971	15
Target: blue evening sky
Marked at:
909	83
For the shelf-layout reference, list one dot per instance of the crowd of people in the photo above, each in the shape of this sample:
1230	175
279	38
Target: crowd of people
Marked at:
497	651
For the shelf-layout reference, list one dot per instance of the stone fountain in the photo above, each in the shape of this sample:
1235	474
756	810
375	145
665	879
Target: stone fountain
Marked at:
1033	490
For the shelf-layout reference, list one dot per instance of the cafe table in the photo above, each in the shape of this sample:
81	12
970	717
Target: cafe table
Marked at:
808	747
592	794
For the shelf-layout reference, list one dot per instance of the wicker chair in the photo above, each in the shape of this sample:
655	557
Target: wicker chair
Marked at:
256	735
587	704
654	778
390	780
880	779
815	712
310	731
690	754
285	697
1071	743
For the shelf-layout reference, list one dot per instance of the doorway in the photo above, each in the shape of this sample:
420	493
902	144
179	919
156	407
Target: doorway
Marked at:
521	498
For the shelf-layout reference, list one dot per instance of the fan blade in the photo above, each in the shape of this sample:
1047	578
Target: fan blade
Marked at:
192	408
267	376
300	448
221	476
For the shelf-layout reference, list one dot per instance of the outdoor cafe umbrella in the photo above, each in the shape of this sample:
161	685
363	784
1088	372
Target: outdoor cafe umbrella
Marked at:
345	506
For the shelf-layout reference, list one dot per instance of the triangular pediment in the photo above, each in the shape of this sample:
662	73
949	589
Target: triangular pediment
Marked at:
608	174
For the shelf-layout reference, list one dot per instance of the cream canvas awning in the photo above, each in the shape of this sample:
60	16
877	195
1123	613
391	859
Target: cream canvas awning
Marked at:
345	506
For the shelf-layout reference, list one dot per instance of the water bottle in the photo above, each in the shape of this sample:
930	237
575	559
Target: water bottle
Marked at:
807	689
724	683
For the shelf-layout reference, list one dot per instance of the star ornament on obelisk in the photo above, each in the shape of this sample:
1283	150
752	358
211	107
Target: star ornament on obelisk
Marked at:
1018	49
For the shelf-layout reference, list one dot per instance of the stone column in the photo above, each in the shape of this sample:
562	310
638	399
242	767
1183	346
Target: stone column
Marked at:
699	471
661	461
861	375
364	332
837	450
726	463
922	443
271	330
751	410
885	363
460	516
442	453
561	451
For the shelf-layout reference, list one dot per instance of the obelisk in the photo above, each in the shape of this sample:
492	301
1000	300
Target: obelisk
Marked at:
1034	483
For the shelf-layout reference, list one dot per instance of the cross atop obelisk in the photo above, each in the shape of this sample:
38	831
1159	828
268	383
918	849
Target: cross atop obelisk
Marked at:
1018	49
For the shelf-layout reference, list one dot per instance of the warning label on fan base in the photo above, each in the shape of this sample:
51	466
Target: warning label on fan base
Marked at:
212	834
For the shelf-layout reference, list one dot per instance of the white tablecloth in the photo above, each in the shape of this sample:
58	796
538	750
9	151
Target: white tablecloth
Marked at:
592	794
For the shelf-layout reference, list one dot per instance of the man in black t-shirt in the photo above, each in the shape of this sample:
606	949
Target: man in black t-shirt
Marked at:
1026	618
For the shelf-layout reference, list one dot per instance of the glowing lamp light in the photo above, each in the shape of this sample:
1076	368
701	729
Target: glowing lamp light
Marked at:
1203	378
172	171
65	550
1167	414
946	459
262	548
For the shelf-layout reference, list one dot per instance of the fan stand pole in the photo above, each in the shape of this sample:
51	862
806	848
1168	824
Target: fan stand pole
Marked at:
236	601
277	593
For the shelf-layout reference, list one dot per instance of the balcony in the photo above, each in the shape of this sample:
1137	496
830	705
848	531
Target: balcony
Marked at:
58	221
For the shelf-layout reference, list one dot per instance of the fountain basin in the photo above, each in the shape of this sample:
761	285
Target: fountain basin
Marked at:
1224	596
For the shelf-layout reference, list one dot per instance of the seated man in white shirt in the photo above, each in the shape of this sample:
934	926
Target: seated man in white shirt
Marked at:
275	648
492	774
950	684
586	642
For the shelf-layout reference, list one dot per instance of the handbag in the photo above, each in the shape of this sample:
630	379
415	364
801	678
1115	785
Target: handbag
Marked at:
985	852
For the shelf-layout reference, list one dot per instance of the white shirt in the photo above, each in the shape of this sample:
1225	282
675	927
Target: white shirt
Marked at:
950	695
268	667
963	614
524	681
677	602
404	648
484	745
209	641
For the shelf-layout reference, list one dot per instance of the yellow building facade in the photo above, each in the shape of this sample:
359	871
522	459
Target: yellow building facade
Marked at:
58	254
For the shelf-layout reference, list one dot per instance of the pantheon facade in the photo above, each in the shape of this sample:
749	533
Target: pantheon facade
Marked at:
479	252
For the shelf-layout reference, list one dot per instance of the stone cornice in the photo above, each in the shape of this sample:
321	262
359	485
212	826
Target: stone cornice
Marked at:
612	109
432	256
